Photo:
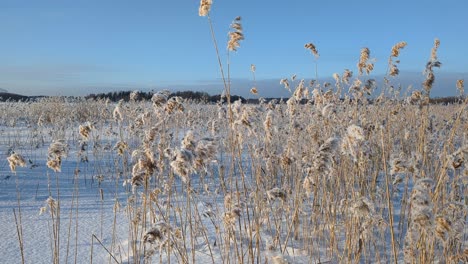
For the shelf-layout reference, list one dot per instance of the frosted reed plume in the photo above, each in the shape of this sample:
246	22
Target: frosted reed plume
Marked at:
352	141
421	222
364	64
392	62
433	62
285	82
396	49
57	151
160	98
347	75
85	130
193	155
322	163
235	35
117	113
312	48
461	87
205	6
15	160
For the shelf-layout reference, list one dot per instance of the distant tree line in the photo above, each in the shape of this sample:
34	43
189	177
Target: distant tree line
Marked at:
11	97
446	100
196	96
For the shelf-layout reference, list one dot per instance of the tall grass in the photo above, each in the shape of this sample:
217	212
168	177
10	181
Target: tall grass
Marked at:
335	174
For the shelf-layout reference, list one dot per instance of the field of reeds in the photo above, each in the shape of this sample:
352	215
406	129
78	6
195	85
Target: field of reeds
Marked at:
337	173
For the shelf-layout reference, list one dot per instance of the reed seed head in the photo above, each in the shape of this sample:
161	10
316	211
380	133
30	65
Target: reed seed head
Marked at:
15	160
205	6
236	35
312	48
396	49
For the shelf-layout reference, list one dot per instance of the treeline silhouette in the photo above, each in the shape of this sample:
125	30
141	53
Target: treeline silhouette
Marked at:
195	96
202	97
11	97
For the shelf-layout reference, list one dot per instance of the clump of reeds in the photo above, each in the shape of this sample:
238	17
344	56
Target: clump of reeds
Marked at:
162	235
351	142
419	235
277	193
457	158
205	152
322	163
194	155
182	164
143	169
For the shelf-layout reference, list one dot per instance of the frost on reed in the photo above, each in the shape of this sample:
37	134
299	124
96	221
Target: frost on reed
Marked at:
159	237
193	156
85	129
268	126
254	91
15	160
401	164
235	35
50	205
312	48
174	104
322	164
457	158
285	82
117	113
300	91
414	98
160	98
277	193
430	77
347	75
461	87
393	64
293	146
144	167
134	95
424	228
352	141
57	151
364	64
121	146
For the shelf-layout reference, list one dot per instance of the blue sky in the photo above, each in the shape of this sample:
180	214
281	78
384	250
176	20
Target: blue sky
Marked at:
79	47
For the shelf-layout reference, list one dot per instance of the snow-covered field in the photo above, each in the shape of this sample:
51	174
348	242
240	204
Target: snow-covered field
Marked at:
169	181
